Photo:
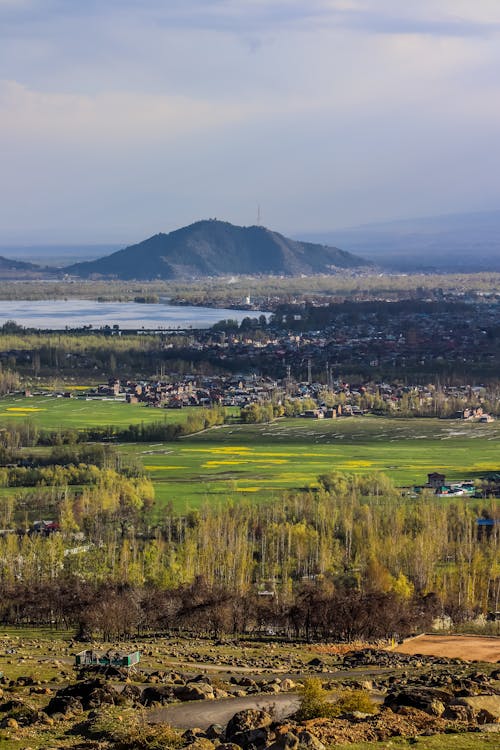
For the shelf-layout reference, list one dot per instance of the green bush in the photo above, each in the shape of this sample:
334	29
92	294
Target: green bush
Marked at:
354	700
314	703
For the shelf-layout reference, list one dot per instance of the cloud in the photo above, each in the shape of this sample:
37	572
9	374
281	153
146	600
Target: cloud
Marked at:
244	17
116	114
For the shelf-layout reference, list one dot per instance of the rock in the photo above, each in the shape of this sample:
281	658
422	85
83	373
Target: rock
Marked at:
252	738
86	694
366	685
64	704
489	704
194	692
10	723
160	694
250	727
249	718
430	700
246	682
219	693
271	687
308	740
287	684
214	731
22	712
228	746
132	693
287	741
200	743
458	713
485	717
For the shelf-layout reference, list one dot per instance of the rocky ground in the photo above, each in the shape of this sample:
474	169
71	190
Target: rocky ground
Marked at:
247	702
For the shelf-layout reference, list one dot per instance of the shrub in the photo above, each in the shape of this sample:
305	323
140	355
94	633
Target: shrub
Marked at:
314	703
127	730
354	700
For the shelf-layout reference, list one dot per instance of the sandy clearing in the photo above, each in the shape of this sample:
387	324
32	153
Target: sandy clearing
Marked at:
466	647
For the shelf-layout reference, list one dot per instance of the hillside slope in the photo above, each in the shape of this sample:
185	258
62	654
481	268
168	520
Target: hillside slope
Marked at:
216	248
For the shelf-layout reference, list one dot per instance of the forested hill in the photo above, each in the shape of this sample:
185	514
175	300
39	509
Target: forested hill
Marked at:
217	248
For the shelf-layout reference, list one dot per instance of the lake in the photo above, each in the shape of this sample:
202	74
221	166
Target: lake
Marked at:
76	313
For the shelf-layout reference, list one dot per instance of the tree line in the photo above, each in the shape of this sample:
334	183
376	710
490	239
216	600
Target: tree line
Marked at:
114	611
355	533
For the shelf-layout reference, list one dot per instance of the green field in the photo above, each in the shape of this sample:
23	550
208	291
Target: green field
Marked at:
51	412
261	461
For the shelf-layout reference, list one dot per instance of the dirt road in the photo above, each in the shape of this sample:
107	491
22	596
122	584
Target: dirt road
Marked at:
203	713
454	646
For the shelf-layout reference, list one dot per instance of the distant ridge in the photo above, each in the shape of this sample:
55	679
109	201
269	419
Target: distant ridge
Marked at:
217	248
7	264
466	242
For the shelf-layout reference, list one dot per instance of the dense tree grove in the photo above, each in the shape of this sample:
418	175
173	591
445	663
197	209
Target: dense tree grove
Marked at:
319	562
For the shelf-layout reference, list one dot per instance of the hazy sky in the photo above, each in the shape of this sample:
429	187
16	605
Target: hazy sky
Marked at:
122	118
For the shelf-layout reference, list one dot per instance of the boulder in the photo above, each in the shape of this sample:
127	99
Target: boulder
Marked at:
131	693
89	693
64	704
287	741
200	691
309	741
21	712
250	727
253	738
431	700
214	731
158	694
249	718
9	723
483	706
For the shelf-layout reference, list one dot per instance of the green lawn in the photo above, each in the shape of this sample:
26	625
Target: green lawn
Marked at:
52	413
260	461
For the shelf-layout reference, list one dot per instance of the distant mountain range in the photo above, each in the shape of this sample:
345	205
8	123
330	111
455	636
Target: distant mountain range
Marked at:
454	243
217	248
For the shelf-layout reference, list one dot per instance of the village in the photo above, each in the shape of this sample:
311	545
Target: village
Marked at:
311	400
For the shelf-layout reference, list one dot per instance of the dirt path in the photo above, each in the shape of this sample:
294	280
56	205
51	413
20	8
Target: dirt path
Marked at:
467	647
203	713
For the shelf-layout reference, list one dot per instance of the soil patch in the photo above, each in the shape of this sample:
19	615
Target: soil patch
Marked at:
469	648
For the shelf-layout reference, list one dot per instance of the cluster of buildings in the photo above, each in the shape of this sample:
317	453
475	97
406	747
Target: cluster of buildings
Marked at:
436	482
189	391
335	399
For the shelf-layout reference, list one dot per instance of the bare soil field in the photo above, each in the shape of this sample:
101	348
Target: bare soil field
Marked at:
467	647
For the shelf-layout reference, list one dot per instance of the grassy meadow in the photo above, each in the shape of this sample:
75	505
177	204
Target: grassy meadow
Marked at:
52	413
262	461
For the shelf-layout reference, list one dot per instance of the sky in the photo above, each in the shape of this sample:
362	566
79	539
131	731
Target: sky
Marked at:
123	118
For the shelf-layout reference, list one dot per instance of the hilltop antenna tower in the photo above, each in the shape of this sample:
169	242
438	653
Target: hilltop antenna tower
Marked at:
259	217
